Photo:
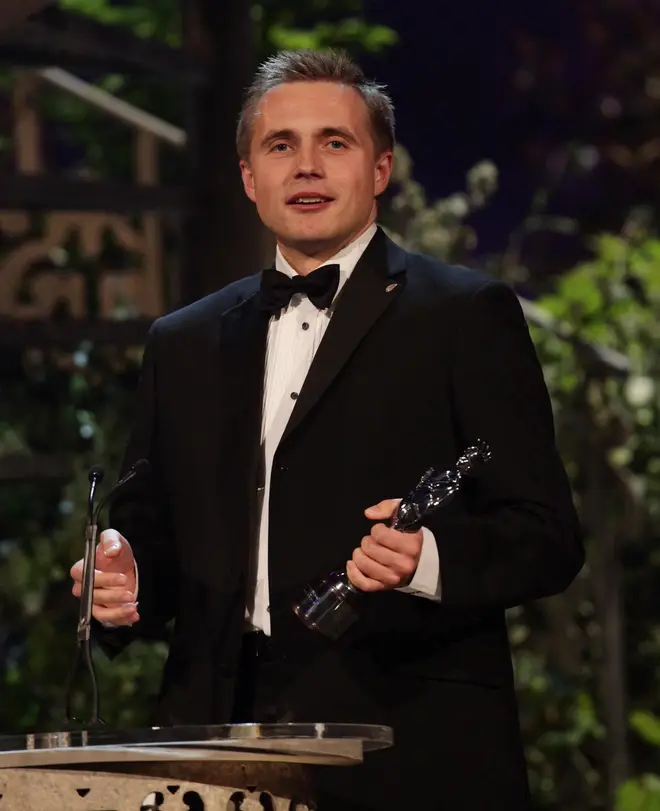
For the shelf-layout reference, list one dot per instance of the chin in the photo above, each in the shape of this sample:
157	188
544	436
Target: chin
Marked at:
313	236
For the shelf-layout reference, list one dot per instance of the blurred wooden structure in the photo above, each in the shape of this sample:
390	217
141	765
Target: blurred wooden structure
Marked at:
13	14
56	304
42	299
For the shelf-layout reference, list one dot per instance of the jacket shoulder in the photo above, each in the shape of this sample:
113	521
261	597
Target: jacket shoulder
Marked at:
208	309
445	279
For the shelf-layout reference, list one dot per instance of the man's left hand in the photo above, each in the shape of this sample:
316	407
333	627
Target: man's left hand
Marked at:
386	559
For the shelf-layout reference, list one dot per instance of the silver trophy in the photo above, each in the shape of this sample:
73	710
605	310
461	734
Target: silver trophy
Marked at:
331	605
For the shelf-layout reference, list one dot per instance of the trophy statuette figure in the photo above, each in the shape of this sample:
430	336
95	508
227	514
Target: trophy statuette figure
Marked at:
331	605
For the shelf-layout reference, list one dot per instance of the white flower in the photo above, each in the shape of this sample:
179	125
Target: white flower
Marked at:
457	205
483	173
86	431
639	390
80	359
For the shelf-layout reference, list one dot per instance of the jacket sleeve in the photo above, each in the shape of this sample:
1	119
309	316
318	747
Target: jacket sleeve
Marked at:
140	515
520	539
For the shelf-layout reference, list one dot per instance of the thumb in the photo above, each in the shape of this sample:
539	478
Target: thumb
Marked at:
114	553
383	510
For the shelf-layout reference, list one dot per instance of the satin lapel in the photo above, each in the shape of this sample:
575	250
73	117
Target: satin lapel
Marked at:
243	338
377	280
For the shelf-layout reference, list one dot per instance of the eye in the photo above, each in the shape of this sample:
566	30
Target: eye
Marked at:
336	145
280	147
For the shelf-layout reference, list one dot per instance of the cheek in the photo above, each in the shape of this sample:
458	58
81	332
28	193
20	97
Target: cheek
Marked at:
264	196
366	177
357	180
267	184
362	189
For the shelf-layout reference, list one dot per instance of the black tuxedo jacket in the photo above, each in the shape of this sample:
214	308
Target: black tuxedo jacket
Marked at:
419	360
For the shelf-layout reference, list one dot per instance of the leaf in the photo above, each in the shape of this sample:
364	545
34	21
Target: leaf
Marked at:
641	794
352	33
646	725
579	289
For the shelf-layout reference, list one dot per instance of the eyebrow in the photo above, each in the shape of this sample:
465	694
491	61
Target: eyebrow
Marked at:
277	135
325	132
342	132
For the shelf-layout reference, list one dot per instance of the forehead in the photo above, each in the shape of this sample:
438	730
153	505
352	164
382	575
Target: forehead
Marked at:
305	105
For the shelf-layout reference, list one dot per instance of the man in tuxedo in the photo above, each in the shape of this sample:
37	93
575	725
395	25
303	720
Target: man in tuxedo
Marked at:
284	415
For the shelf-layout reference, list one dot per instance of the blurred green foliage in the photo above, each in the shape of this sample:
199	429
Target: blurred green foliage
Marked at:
608	428
77	406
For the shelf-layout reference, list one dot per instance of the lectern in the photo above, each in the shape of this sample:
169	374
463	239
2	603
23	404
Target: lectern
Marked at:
251	767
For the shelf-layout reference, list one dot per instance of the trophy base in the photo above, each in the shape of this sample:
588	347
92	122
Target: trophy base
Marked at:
330	606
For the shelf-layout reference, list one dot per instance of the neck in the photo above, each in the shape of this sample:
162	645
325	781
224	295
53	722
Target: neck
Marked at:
306	258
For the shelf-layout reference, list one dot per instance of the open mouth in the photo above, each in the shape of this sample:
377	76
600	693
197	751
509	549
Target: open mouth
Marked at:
309	202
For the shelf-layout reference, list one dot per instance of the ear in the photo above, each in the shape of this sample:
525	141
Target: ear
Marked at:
248	180
383	172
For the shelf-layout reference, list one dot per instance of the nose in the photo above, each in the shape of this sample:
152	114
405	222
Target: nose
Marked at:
309	163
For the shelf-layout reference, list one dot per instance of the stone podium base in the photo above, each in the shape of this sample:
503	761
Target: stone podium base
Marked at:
158	787
241	767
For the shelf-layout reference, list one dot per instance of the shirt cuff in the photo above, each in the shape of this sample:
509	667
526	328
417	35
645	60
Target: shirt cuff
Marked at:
426	581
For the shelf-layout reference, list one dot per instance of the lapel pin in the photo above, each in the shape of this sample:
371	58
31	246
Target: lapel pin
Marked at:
391	287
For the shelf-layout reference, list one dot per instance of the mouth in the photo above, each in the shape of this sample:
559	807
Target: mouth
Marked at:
309	202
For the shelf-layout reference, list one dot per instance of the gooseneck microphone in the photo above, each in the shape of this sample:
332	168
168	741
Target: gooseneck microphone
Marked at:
84	629
95	476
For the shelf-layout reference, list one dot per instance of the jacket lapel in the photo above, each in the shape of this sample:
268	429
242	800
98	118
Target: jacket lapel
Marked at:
374	284
243	339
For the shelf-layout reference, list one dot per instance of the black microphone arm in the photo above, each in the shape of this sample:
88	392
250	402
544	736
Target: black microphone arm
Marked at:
96	475
84	629
140	468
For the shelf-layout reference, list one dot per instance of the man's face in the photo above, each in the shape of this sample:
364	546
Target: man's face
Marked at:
313	171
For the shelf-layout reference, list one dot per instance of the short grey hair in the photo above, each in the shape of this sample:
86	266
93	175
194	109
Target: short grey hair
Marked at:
317	66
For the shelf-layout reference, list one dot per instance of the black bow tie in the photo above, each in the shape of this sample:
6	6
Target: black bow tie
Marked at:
319	286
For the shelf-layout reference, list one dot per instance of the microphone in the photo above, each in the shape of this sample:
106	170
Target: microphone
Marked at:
138	469
84	629
95	476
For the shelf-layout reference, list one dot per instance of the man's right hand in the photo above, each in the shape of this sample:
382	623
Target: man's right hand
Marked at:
114	580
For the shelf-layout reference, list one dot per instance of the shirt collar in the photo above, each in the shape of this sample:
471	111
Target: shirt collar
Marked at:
347	258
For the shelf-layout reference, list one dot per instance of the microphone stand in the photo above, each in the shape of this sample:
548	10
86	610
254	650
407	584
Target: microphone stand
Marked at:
83	654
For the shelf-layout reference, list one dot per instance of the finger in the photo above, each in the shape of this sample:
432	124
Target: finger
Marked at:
76	570
107	596
403	565
122	615
375	570
360	581
406	543
101	579
384	510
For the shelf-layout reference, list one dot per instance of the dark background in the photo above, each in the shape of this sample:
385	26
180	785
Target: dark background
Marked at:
452	77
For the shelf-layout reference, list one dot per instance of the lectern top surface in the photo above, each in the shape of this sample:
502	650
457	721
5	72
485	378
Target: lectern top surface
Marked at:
306	743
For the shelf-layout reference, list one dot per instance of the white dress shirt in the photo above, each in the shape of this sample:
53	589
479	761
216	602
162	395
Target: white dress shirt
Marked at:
294	336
